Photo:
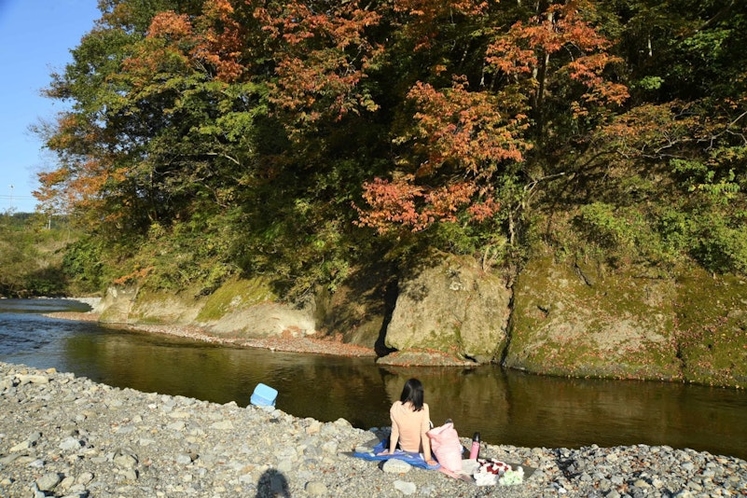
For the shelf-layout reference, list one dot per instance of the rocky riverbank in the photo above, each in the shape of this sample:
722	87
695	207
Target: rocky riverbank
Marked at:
62	435
287	342
284	342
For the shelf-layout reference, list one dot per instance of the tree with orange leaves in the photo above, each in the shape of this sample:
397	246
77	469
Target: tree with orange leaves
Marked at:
257	124
476	132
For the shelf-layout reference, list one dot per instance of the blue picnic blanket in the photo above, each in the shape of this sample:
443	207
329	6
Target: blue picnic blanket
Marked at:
414	459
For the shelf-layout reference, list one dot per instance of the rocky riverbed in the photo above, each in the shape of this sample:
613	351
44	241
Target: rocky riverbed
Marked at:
67	436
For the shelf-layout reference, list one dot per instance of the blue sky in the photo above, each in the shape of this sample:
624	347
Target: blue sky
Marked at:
36	37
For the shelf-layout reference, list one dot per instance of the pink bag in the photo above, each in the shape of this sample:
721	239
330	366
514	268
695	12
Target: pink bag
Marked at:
446	447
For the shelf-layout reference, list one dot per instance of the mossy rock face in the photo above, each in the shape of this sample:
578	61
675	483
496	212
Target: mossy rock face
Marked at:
249	308
235	295
453	307
712	328
579	320
164	308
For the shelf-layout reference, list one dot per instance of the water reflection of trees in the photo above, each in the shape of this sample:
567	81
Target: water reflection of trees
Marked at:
323	387
474	399
579	412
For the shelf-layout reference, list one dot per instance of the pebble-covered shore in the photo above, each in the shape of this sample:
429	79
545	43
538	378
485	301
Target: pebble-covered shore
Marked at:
67	436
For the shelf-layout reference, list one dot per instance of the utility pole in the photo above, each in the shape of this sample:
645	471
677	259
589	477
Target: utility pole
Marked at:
10	209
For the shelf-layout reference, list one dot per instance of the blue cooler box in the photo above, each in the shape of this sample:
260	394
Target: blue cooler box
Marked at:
264	395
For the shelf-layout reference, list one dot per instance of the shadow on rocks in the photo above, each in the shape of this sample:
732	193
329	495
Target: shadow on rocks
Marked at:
273	484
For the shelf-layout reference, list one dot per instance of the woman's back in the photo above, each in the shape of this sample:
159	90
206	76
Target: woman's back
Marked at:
409	425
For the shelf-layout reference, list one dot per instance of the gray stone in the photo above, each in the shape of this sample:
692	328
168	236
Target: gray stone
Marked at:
125	460
22	446
34	379
70	444
405	487
48	481
223	425
285	466
176	426
316	488
84	478
330	447
67	482
683	494
640	483
395	466
130	474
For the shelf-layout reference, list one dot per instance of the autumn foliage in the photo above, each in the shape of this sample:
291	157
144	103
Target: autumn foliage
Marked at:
284	132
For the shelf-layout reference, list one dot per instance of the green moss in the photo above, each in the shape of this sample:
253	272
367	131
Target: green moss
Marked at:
694	328
153	307
236	294
712	320
584	319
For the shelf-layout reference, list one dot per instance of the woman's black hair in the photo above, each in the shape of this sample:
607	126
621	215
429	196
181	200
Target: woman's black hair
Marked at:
413	392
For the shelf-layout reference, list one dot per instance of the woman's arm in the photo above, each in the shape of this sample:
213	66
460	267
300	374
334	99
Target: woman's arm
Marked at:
394	436
425	440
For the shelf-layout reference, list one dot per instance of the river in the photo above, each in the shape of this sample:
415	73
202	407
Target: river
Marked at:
506	407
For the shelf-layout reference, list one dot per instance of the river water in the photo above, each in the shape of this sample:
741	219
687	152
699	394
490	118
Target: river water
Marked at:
506	407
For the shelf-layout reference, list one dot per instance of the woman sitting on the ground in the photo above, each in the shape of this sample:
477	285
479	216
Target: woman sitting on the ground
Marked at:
411	421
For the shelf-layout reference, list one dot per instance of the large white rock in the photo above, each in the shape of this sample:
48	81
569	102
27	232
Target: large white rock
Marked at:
395	466
454	307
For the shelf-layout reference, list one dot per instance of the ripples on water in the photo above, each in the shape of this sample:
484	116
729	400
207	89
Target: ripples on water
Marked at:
24	331
505	407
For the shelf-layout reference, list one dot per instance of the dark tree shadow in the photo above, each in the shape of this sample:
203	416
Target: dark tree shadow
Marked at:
273	484
390	300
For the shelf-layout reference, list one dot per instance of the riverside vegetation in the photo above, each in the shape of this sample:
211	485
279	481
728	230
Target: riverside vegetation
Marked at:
555	318
67	436
556	186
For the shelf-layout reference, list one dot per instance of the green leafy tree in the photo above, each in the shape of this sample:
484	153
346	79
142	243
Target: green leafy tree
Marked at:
213	137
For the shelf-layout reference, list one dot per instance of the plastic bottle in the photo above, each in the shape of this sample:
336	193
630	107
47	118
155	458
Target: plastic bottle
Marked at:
474	452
